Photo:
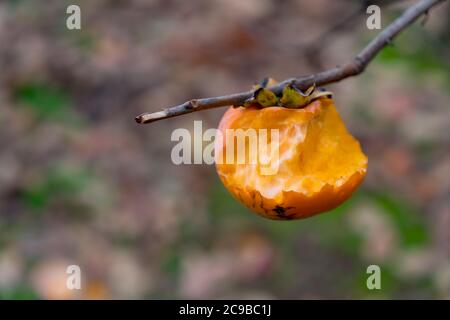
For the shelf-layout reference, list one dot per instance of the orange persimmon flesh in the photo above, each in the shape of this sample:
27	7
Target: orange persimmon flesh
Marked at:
320	164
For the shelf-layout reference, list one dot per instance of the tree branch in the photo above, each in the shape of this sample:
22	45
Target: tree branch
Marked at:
351	68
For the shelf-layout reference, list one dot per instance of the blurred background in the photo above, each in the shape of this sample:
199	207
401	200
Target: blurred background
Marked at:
81	183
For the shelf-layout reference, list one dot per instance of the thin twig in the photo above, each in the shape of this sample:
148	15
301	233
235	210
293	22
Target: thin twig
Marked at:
312	50
351	68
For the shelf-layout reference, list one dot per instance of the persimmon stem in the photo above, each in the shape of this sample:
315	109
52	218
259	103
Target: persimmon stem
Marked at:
352	68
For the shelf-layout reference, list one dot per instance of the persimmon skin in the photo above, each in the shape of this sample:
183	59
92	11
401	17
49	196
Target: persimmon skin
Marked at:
320	163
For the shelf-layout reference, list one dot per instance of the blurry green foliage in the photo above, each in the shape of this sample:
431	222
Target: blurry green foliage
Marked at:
56	184
84	41
405	217
44	100
171	264
420	51
334	230
222	204
16	2
421	60
425	149
21	292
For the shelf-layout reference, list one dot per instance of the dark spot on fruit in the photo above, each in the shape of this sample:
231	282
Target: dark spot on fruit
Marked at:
262	204
239	196
253	195
281	211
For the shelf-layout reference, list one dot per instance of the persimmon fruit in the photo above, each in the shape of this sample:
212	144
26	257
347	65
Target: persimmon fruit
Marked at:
320	163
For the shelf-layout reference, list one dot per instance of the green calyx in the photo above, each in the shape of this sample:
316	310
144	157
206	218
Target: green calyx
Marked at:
291	97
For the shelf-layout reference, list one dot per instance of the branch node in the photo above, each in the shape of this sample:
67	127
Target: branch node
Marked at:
192	104
360	64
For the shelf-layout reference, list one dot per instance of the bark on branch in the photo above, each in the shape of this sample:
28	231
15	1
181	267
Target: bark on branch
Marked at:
351	68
